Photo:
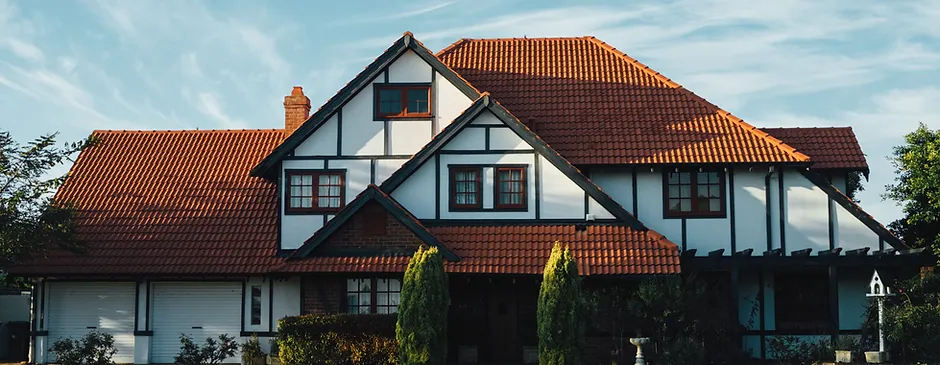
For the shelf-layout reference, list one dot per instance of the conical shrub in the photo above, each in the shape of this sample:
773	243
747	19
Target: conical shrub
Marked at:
422	313
560	310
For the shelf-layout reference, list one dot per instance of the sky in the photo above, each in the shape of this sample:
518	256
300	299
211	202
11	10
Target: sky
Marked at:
77	66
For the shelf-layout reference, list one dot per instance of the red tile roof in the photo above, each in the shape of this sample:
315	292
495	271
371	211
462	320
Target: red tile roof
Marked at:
595	105
523	249
170	202
829	148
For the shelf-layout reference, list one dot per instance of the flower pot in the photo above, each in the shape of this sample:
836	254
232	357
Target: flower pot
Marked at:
844	356
876	357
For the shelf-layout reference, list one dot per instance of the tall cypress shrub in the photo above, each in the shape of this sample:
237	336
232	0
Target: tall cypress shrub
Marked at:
422	314
560	310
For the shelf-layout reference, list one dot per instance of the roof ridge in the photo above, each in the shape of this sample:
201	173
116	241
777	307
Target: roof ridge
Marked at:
797	128
461	41
182	131
799	156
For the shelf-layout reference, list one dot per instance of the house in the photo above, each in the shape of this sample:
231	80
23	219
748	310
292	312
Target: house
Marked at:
490	150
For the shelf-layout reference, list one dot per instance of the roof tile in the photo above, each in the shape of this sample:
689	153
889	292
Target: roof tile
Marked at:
595	105
830	147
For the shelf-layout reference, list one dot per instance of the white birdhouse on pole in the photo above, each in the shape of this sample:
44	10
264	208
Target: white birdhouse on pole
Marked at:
878	289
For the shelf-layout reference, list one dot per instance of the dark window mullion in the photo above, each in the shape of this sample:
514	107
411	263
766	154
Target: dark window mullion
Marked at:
374	301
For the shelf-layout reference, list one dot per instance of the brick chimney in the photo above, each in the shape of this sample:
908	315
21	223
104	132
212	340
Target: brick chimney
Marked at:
296	110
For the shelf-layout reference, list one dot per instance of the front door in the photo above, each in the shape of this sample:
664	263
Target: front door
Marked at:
502	342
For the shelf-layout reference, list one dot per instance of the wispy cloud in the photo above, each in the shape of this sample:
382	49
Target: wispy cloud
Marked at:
210	104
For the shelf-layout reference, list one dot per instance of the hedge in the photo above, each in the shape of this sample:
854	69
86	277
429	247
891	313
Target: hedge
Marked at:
338	339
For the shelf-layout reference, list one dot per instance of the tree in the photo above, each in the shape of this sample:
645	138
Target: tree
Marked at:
560	313
917	188
31	220
422	314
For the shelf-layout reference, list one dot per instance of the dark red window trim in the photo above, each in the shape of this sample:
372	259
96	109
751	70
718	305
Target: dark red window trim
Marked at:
497	196
403	88
315	174
453	187
693	186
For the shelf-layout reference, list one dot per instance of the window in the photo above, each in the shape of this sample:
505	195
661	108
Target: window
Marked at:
802	302
694	194
466	185
373	295
255	305
403	101
510	188
314	191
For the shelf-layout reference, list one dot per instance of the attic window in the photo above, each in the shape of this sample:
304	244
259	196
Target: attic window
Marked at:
402	101
314	191
510	188
466	185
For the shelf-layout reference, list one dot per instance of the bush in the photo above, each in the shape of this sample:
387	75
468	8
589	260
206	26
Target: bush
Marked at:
421	330
682	351
792	350
95	348
252	354
338	339
211	353
560	312
912	320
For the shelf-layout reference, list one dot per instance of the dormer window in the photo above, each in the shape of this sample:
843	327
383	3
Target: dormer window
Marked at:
510	188
314	191
402	101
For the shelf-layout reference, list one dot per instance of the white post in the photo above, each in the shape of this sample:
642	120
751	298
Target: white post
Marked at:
881	326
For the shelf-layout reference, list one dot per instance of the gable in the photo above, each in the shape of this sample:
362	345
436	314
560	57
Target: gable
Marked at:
406	60
486	137
373	224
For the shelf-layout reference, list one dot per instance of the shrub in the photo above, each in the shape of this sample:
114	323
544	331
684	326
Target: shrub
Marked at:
421	330
338	339
682	351
211	353
793	350
252	354
911	319
95	348
560	313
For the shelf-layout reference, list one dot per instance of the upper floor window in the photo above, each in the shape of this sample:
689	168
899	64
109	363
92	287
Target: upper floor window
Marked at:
694	194
510	188
373	295
402	100
466	185
314	191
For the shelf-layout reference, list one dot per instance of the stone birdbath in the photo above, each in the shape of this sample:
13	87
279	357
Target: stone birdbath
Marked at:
639	342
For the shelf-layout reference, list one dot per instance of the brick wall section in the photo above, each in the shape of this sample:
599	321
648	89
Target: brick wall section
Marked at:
322	294
355	232
296	110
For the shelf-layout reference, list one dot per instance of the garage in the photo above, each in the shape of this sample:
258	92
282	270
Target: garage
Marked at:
75	308
198	309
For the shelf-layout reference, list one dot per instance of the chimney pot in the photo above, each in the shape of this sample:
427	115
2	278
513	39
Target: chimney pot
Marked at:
296	110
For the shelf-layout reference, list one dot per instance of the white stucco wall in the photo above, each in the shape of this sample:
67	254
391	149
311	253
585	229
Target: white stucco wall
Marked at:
851	232
409	68
750	215
406	137
449	101
807	220
322	142
506	139
650	206
469	139
362	134
286	299
416	193
358	175
618	183
385	168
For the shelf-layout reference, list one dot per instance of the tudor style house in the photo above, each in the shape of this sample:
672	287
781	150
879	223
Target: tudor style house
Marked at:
490	150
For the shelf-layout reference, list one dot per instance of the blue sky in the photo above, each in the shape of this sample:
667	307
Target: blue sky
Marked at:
76	66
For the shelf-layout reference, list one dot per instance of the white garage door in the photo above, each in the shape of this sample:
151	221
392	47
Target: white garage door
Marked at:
200	310
76	308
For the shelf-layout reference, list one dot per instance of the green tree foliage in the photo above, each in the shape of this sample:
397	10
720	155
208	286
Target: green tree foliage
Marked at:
917	188
560	314
30	219
912	320
422	314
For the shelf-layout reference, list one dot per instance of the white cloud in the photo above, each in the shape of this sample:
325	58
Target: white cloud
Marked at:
67	64
211	104
24	50
190	65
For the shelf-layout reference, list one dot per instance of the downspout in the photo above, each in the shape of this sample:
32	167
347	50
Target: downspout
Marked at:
767	207
760	277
